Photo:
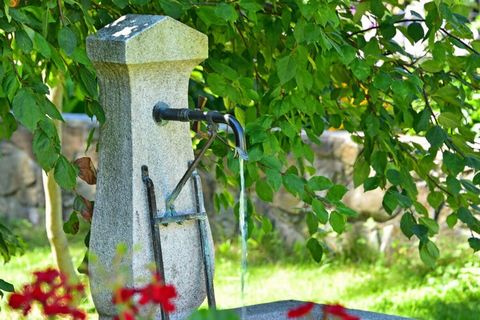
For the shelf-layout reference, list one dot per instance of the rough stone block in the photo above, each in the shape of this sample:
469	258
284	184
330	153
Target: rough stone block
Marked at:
141	60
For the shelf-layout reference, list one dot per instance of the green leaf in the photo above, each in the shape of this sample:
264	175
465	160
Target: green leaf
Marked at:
316	250
436	136
320	211
476	179
89	82
319	183
379	161
377	8
361	70
346	211
390	201
349	54
41	45
304	79
4	251
10	85
429	253
23	41
361	170
274	178
388	31
450	120
382	81
272	163
65	173
403	200
286	69
72	225
26	109
415	31
453	185
420	208
431	224
337	221
421	120
336	192
407	223
264	191
50	109
435	199
432	66
312	223
452	220
120	3
226	12
67	40
8	125
474	243
472	162
393	176
46	145
469	186
294	184
371	183
453	162
467	217
5	286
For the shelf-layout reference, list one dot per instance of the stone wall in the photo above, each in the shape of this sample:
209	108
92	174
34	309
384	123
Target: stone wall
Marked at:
21	191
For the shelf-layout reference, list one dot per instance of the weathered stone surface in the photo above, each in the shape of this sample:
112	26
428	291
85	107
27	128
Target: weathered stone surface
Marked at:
19	169
278	311
142	60
19	184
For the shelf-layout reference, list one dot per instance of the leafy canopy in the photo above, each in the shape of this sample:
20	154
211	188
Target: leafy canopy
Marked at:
287	69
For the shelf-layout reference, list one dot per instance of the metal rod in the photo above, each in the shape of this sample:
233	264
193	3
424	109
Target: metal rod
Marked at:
204	243
173	196
162	112
155	229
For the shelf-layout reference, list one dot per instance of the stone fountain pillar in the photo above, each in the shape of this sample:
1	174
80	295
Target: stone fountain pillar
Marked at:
141	60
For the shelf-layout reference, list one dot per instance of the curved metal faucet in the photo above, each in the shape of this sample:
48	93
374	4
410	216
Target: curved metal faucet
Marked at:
163	113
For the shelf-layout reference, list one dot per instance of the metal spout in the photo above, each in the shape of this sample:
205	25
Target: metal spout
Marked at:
162	113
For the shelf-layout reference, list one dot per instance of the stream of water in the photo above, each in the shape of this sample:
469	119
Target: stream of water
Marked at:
243	234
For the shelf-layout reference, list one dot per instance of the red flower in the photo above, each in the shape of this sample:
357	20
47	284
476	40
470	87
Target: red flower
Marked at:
338	311
48	275
20	301
159	294
155	292
54	309
123	295
78	315
126	315
301	310
334	309
52	291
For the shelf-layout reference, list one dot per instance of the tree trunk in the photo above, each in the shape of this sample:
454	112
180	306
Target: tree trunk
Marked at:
53	205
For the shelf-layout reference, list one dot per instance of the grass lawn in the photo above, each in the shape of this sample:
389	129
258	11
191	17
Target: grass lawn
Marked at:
401	286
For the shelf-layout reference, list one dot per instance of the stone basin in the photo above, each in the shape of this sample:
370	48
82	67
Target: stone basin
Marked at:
278	311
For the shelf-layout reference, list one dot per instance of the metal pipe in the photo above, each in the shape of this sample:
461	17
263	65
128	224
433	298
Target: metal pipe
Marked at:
155	230
162	112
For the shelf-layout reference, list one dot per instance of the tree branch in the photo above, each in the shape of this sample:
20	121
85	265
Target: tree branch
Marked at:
60	12
460	40
378	26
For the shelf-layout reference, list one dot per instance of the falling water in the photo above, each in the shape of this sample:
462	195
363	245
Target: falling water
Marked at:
243	233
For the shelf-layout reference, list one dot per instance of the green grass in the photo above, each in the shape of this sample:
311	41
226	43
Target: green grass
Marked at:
402	285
